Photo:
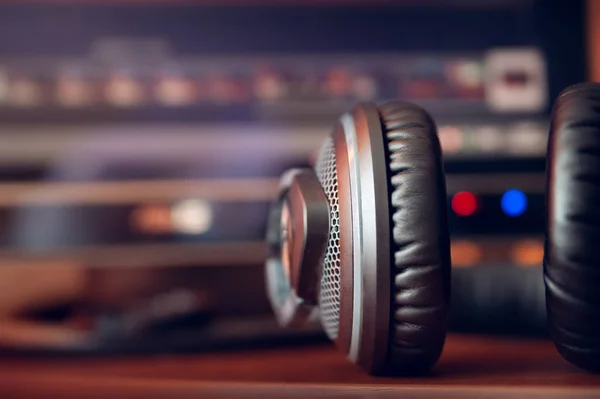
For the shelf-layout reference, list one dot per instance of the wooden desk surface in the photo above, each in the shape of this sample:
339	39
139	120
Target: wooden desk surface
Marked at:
470	367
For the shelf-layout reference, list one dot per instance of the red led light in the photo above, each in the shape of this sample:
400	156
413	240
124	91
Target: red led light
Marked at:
464	203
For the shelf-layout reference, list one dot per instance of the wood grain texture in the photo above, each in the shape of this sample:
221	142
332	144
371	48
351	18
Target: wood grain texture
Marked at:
593	45
470	367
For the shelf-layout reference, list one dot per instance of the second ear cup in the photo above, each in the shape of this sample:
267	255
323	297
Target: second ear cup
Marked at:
385	286
572	253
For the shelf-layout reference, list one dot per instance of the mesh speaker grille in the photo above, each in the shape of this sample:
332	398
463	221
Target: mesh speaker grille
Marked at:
329	296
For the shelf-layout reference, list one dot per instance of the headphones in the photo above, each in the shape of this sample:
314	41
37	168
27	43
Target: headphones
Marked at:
361	241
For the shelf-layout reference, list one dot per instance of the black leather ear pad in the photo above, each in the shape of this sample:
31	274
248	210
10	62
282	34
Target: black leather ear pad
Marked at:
572	253
420	275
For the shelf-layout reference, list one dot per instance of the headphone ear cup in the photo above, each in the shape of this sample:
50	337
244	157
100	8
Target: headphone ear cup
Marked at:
572	258
385	285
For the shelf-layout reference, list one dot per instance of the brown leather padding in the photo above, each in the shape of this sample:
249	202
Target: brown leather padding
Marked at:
420	275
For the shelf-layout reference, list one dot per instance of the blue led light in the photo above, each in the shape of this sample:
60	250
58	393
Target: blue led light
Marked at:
514	203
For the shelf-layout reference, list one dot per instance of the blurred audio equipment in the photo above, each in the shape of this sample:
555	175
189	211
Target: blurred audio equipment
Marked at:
149	138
